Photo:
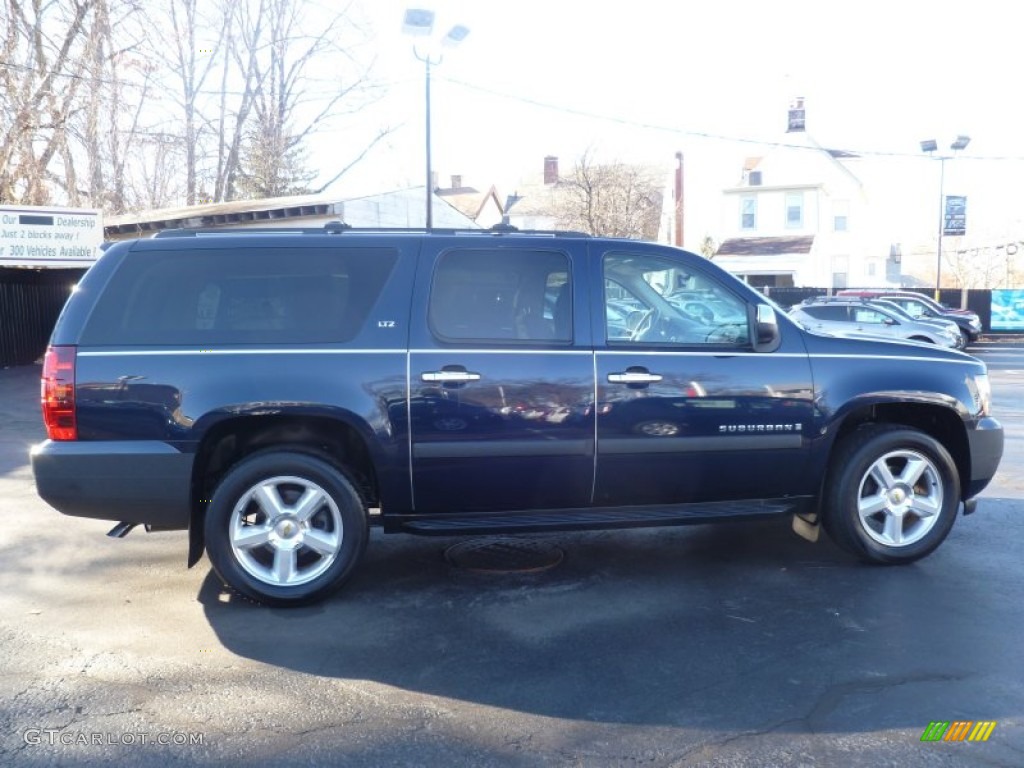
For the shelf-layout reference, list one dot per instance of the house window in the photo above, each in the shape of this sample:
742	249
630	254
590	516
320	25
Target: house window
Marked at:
794	210
840	215
748	213
871	269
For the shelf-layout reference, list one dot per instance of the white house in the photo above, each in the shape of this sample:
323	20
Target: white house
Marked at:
799	216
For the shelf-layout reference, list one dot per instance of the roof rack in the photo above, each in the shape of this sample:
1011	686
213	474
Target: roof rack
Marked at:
340	228
826	299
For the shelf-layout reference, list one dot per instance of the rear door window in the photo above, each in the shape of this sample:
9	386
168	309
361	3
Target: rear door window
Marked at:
865	315
502	295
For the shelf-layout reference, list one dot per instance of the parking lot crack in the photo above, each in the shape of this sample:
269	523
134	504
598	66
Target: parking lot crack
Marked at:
710	746
833	697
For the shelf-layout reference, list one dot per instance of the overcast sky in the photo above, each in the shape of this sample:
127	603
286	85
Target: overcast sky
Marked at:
640	80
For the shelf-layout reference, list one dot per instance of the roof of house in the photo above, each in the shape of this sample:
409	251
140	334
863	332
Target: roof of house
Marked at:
469	200
399	208
765	246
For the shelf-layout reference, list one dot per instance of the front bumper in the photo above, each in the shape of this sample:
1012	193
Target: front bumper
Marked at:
134	481
986	446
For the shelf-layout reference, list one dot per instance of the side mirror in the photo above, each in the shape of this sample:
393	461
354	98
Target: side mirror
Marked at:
766	328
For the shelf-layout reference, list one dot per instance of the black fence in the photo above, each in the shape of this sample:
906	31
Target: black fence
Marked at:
30	301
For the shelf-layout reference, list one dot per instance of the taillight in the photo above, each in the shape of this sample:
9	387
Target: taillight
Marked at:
58	393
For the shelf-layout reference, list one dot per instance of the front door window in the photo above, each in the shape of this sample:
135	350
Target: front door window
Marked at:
651	300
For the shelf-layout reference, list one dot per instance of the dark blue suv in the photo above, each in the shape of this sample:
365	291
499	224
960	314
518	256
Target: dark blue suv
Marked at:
279	392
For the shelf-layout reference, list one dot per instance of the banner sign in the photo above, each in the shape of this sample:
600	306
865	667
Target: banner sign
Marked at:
955	218
1007	310
49	237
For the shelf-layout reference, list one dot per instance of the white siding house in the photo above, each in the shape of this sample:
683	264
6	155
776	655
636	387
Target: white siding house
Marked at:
799	217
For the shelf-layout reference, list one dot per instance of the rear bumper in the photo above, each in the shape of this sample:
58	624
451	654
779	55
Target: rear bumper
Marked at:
986	444
144	481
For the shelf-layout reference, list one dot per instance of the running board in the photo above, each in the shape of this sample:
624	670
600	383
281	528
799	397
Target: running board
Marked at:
590	518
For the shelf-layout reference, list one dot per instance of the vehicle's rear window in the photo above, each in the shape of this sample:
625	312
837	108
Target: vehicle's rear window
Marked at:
240	296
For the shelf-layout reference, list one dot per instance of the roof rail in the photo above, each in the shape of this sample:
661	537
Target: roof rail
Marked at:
339	228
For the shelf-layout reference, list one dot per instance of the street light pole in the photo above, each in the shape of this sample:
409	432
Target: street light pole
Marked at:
419	22
942	221
929	146
430	171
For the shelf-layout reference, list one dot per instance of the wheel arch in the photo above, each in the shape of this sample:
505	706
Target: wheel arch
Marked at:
340	442
937	420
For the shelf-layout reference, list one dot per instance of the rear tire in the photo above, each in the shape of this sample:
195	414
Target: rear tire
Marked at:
285	528
892	494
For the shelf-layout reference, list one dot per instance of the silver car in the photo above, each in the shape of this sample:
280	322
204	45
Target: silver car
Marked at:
938	322
857	318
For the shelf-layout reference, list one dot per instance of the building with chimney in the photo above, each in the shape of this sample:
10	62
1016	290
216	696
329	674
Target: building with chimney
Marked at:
799	216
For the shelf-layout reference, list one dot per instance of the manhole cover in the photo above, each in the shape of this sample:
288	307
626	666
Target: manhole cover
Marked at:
504	555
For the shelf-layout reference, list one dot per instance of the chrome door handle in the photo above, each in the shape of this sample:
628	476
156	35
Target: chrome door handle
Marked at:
448	377
634	377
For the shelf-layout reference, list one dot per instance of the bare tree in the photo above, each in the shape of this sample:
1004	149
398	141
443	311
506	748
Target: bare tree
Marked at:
120	104
192	67
613	199
38	88
68	125
119	83
984	266
288	103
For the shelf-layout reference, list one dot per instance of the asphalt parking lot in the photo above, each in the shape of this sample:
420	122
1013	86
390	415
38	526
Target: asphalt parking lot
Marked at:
731	645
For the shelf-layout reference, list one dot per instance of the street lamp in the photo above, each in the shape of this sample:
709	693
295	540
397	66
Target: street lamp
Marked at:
419	22
929	146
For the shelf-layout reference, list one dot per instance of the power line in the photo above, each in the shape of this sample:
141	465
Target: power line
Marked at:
699	134
569	111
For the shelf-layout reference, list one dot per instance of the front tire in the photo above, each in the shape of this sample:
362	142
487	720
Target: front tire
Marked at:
892	494
285	528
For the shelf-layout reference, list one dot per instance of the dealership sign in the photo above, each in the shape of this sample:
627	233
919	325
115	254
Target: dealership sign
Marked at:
49	237
955	219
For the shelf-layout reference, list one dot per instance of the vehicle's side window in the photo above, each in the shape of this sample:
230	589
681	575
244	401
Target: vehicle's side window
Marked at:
835	313
501	295
914	308
242	296
864	315
652	299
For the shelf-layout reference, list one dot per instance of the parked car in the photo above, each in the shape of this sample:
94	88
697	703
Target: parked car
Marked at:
853	316
278	393
947	327
919	305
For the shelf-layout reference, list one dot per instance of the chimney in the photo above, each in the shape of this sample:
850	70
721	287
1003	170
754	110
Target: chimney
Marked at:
434	181
550	169
456	182
796	115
